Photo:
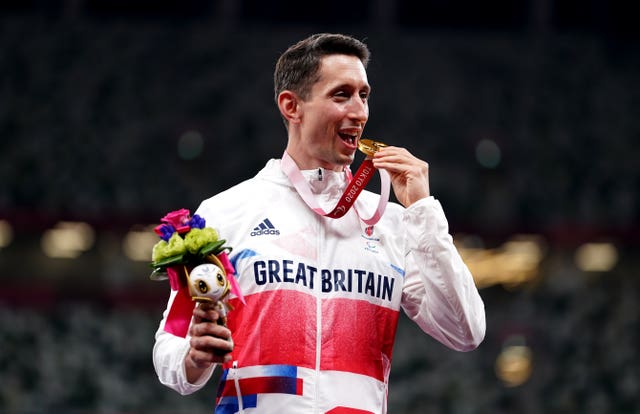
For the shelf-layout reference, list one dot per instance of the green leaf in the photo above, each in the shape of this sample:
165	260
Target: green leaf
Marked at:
169	261
213	247
159	274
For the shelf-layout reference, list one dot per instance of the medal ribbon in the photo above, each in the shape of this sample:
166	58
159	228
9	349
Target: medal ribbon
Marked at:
357	183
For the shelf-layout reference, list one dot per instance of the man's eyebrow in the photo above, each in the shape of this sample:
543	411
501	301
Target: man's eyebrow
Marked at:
345	85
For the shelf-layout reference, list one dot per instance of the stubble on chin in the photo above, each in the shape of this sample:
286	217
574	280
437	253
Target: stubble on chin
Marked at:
341	158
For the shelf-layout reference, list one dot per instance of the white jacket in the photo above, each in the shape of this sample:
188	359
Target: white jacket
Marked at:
323	296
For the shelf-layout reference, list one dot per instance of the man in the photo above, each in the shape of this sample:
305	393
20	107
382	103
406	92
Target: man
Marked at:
323	294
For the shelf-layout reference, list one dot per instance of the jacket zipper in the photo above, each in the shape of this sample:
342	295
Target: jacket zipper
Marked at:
318	315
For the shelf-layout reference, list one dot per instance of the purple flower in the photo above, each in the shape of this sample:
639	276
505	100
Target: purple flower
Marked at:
165	231
197	222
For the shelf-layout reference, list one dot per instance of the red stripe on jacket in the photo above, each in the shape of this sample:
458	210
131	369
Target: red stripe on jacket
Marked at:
279	327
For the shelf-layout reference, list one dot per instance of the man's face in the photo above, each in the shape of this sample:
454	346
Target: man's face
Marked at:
334	114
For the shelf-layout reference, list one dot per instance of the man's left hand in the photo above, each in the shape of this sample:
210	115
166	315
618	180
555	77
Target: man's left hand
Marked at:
409	175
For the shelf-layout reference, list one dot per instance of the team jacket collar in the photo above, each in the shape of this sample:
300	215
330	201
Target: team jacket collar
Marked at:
322	181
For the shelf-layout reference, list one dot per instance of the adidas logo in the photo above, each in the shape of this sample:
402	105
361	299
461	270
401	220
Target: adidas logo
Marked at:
266	227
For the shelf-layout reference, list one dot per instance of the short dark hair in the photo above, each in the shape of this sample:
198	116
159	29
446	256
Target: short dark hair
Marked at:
297	68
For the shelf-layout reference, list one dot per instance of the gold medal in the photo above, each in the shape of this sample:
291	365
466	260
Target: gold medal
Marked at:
369	146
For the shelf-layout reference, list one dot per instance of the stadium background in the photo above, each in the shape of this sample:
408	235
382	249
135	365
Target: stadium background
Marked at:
114	112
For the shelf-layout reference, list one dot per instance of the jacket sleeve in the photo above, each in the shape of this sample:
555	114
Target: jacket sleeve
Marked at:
439	293
169	352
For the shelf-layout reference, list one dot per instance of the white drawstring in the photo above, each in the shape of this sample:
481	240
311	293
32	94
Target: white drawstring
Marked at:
234	375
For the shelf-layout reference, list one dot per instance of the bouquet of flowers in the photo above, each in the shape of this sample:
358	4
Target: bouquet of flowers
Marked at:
195	260
185	241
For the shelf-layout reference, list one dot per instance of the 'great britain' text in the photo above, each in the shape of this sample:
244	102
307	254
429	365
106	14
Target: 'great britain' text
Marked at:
331	280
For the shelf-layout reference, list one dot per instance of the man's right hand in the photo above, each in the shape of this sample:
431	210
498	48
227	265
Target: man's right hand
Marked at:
210	342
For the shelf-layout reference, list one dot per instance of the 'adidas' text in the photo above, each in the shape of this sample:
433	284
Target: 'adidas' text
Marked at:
266	227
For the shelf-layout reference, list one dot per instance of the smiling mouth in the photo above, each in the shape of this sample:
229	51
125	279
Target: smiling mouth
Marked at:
349	138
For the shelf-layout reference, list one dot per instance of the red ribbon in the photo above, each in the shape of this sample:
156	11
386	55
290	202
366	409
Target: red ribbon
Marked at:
356	184
230	271
353	190
181	311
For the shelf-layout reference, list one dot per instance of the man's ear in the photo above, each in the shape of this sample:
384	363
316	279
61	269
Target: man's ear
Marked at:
288	105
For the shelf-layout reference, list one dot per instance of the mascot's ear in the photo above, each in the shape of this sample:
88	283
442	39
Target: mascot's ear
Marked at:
224	263
214	259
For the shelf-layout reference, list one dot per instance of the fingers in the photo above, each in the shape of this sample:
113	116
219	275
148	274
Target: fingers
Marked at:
210	342
397	159
203	360
205	312
206	350
209	328
409	175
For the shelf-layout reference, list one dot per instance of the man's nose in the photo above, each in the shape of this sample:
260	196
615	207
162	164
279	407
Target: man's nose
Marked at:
359	110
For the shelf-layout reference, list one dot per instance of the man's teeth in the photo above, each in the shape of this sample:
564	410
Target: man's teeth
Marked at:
349	138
